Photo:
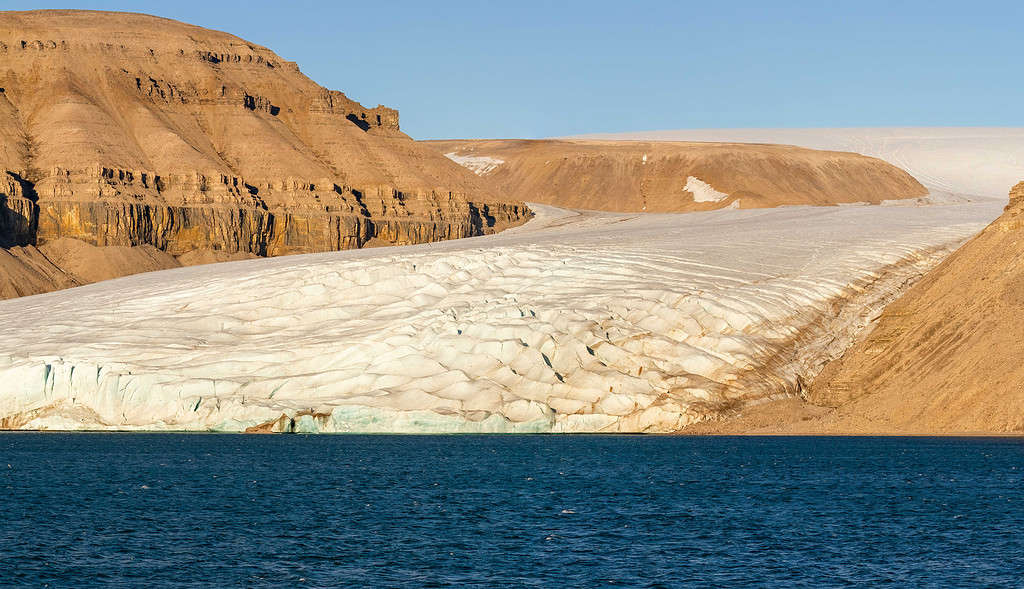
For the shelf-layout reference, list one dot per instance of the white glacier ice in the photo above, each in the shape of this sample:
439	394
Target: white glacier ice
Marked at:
576	321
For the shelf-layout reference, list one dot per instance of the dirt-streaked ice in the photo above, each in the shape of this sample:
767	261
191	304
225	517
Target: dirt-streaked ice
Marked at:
573	322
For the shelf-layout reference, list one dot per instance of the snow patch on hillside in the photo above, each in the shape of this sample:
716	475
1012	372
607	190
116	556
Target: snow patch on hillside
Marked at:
702	191
478	164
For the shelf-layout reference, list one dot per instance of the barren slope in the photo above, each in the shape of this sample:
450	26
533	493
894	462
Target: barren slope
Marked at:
24	271
677	176
127	129
943	358
64	263
947	356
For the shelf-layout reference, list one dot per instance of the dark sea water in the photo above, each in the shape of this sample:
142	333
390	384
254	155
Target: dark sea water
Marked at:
509	511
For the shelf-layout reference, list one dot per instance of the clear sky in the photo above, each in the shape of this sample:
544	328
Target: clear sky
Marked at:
524	68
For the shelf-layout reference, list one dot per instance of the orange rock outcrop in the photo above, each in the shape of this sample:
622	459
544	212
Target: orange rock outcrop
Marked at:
126	129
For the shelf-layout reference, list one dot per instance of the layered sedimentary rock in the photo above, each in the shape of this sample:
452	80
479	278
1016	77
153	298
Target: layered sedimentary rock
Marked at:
572	323
125	129
676	176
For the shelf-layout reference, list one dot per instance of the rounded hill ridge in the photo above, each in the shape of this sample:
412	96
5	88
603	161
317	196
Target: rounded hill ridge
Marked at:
677	176
126	129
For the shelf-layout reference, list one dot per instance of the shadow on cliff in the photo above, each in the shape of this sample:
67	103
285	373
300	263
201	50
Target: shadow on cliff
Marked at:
19	215
479	218
365	126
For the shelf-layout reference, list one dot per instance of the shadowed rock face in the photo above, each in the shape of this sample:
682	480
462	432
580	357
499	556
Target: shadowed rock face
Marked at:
17	213
125	129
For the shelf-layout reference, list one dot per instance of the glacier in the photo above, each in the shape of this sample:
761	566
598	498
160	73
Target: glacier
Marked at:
574	322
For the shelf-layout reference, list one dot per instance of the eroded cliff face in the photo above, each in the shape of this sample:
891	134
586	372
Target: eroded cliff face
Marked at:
18	214
1012	218
388	216
125	129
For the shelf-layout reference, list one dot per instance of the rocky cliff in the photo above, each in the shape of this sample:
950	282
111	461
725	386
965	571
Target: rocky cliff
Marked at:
635	176
18	214
124	129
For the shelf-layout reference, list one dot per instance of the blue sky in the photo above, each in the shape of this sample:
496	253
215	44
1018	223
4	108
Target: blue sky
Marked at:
521	68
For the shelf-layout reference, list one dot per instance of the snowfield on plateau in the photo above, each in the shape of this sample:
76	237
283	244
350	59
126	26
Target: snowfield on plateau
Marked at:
574	322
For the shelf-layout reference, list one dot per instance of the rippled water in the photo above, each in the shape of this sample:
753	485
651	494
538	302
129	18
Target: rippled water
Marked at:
551	511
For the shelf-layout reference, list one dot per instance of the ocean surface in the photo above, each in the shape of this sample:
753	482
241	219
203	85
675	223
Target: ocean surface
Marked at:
144	510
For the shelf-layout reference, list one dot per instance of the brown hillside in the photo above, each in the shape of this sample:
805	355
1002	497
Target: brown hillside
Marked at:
947	356
944	358
65	263
127	129
631	176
